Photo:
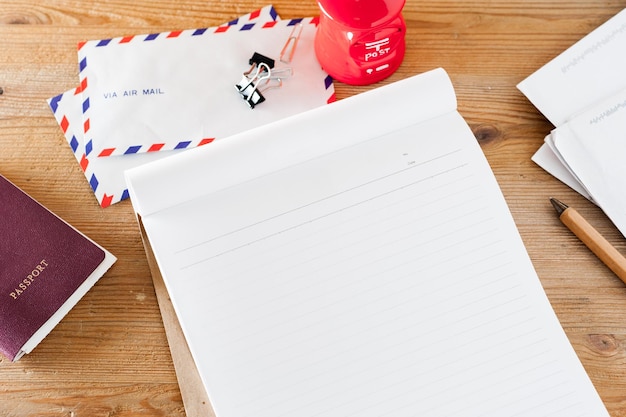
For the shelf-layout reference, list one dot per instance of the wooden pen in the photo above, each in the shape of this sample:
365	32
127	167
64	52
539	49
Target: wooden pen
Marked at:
592	238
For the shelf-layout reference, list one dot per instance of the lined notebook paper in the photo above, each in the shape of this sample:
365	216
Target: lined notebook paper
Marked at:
357	260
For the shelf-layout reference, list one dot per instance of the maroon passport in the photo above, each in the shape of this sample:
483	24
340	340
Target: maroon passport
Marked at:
46	266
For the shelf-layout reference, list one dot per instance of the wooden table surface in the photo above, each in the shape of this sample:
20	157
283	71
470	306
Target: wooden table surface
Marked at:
109	356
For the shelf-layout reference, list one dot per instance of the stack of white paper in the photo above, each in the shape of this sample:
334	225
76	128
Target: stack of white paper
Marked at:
583	93
145	96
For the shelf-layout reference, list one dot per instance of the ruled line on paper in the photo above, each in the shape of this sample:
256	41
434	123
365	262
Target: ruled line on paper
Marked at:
399	389
451	202
491	257
473	235
296	372
277	353
519	348
297	268
412	167
268	289
301	288
446	207
381	329
199	261
345	329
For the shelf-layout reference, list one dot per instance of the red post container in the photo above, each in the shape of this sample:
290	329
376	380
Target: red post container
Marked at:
360	42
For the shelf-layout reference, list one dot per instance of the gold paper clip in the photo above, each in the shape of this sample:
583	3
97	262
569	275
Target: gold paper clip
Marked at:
290	46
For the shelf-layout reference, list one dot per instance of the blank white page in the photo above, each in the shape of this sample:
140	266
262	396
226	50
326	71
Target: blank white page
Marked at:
385	278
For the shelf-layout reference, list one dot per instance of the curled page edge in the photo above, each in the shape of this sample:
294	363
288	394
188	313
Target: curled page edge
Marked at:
162	184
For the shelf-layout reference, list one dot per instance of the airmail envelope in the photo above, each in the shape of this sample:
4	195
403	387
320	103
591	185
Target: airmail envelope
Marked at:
177	90
106	175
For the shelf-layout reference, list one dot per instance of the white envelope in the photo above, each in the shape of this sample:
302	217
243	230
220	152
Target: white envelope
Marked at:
576	80
106	175
593	145
549	159
587	72
177	89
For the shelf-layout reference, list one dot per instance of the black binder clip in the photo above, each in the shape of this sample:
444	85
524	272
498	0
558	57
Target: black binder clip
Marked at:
258	59
259	78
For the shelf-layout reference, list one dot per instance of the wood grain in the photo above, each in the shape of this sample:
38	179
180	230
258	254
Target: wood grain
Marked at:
109	356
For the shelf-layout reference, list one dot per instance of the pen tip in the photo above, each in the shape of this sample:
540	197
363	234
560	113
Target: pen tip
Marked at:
558	205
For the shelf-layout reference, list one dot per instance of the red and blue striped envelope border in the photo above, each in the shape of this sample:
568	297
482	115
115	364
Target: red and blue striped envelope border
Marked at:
66	108
184	143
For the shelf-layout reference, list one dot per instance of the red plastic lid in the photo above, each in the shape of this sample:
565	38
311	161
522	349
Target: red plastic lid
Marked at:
361	14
